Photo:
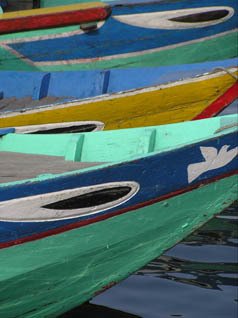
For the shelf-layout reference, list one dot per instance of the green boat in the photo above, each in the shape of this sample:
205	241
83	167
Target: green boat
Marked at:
81	212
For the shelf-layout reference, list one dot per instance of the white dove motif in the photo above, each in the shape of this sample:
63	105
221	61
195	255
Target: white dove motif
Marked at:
213	160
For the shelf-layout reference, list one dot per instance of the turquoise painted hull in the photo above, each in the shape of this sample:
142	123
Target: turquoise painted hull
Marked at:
47	277
66	236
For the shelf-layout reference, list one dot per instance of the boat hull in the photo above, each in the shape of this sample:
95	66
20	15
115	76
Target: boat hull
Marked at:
175	102
127	39
57	273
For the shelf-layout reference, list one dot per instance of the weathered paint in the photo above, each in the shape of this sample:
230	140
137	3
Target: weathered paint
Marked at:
56	49
145	150
173	19
85	255
226	99
53	17
164	104
86	84
83	261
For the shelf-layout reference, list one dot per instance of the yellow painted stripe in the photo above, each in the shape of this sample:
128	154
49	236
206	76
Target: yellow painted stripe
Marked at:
51	10
162	106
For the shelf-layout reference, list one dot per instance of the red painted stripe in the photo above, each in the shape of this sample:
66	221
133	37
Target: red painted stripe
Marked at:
109	215
51	20
219	104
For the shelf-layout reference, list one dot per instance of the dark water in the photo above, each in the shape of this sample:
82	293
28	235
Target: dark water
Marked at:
197	278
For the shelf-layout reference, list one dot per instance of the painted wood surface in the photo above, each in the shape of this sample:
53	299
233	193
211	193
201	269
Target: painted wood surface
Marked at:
54	3
103	147
229	97
51	286
53	17
6	131
88	84
117	43
156	215
173	102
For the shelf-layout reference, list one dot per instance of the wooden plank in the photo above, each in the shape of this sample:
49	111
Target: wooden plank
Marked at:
16	166
53	17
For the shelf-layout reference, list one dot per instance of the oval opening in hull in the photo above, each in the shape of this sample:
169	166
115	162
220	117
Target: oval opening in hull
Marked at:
60	128
68	204
90	199
202	17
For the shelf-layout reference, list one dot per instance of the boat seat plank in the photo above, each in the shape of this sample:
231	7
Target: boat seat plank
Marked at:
16	166
19	104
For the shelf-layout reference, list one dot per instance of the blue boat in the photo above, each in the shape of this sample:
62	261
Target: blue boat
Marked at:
80	212
143	33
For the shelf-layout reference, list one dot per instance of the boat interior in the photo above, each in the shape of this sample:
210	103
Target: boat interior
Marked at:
27	156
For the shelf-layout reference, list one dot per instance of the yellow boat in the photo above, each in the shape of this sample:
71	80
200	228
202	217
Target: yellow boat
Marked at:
178	101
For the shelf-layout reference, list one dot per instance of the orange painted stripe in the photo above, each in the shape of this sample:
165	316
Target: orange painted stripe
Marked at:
53	17
219	104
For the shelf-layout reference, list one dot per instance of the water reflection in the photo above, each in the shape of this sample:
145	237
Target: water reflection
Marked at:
198	277
205	275
96	311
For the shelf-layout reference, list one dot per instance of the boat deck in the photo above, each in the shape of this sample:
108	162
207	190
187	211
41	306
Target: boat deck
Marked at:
15	166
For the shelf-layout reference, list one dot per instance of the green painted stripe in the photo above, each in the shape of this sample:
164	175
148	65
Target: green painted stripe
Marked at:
57	273
42	32
8	61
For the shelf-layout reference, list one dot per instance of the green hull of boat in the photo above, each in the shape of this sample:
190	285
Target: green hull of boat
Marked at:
47	277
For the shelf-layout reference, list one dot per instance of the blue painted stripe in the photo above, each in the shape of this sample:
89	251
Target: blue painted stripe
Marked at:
158	175
6	131
84	84
115	37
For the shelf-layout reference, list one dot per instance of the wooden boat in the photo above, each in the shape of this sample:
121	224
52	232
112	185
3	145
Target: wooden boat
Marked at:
148	33
42	18
53	87
190	98
80	212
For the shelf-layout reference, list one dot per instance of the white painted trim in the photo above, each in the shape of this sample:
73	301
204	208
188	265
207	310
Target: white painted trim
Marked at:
44	127
162	19
29	209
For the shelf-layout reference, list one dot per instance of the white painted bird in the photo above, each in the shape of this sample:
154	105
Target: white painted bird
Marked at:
213	160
